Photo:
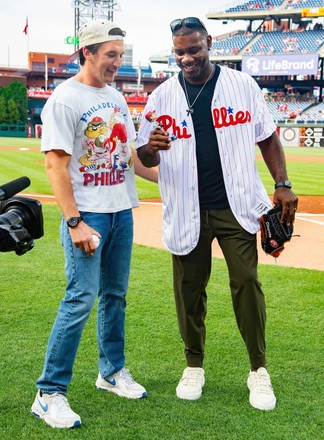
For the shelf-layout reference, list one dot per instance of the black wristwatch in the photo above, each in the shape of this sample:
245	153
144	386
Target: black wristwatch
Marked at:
284	183
74	221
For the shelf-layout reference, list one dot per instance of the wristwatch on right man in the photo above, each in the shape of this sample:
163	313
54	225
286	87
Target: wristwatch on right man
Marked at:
284	183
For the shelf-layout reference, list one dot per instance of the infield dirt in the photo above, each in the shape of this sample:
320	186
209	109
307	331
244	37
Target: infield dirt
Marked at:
305	250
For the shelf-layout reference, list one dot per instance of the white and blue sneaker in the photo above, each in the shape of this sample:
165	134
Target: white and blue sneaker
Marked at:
55	410
122	384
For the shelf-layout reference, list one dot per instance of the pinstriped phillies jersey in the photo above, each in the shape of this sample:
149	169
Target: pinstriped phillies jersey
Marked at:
241	119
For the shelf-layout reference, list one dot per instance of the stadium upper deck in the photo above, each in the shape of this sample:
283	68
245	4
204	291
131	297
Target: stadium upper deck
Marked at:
272	42
292	9
273	27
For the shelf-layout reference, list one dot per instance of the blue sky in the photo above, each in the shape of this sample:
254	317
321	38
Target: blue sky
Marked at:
50	22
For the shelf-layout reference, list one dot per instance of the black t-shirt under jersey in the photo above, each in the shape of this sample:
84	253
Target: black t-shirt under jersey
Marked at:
212	194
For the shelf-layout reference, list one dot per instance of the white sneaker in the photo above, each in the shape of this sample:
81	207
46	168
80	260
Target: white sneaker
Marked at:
122	384
55	410
261	392
191	383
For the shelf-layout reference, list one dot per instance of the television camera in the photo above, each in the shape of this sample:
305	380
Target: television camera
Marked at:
21	218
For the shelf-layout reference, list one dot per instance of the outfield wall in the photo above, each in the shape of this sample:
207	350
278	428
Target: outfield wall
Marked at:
301	135
308	135
7	130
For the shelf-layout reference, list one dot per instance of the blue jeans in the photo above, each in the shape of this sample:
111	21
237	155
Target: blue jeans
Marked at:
105	274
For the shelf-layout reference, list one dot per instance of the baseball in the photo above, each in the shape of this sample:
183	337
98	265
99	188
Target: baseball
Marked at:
96	240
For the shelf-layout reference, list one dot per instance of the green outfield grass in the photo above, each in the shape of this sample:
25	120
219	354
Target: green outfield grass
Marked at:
306	175
24	159
32	286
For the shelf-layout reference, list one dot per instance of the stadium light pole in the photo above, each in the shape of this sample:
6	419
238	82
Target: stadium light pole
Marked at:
86	10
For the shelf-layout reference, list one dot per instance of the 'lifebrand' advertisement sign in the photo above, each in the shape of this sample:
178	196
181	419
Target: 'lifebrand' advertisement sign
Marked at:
305	64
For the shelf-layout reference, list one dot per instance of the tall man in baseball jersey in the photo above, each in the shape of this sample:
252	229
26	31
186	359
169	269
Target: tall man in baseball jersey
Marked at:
211	189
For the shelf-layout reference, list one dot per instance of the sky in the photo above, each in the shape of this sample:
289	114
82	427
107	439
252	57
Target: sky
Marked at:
146	24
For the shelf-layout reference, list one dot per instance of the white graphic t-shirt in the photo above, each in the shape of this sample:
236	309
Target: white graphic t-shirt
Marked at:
95	127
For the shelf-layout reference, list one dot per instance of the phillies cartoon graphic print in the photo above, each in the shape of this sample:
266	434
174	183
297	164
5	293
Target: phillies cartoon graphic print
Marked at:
106	144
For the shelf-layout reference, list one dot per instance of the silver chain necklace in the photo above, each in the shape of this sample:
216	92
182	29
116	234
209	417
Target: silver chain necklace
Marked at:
190	106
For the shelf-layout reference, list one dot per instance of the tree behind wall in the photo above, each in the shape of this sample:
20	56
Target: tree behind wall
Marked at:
3	109
13	104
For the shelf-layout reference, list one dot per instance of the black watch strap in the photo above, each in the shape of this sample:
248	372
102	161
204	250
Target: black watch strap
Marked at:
284	183
74	221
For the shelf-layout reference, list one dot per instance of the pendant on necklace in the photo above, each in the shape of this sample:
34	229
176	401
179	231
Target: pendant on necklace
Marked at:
190	110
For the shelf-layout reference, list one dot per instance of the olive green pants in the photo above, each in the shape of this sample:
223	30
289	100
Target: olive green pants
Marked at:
191	274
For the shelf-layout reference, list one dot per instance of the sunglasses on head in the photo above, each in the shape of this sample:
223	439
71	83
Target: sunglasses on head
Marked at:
190	22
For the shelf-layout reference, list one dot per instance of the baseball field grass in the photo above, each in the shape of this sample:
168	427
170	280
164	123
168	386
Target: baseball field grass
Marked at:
22	157
32	286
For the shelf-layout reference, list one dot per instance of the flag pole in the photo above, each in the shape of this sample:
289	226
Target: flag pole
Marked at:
26	32
27	44
46	72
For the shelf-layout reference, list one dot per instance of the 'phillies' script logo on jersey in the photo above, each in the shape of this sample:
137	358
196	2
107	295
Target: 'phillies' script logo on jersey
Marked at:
168	122
224	117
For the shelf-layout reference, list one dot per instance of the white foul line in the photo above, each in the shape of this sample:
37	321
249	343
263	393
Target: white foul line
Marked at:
309	220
